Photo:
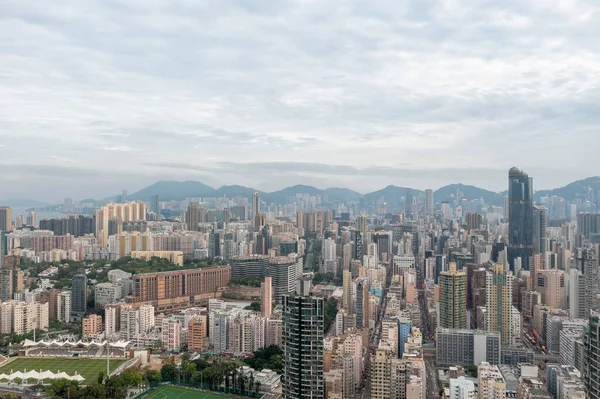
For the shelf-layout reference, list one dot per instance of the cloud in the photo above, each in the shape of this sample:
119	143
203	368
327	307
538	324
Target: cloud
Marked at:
359	93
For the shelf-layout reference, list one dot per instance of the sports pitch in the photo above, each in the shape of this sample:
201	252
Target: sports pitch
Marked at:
87	368
171	392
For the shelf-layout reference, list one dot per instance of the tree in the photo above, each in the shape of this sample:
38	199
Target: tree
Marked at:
62	388
153	376
190	368
95	391
254	306
267	358
168	372
472	370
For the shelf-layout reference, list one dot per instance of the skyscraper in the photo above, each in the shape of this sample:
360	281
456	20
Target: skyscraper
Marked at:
32	219
154	204
453	298
591	373
5	218
255	205
347	290
302	336
362	223
362	303
590	264
78	296
429	202
192	216
408	202
266	293
520	218
499	289
539	229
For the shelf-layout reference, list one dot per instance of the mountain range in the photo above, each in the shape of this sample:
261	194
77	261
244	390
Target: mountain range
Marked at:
174	190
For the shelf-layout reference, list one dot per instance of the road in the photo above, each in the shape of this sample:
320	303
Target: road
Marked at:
365	391
433	384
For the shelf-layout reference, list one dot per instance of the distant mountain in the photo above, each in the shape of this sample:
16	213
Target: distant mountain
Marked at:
469	192
584	189
391	193
342	194
174	190
282	195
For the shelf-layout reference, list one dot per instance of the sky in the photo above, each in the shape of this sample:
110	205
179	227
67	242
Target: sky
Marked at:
101	96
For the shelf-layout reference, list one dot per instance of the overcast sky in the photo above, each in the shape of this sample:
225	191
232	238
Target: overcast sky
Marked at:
100	96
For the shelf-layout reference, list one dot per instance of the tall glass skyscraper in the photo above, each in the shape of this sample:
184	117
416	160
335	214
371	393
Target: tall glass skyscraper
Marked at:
303	324
520	218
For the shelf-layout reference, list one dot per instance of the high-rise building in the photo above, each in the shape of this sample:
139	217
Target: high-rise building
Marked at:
197	329
539	229
112	319
588	224
591	375
429	202
551	286
303	320
536	263
32	219
362	303
91	325
255	204
492	384
499	291
347	291
129	212
266	293
520	218
467	347
381	374
252	266
78	297
5	218
171	334
6	284
362	223
473	220
63	307
590	264
404	330
260	220
453	298
75	225
178	286
192	216
154	204
408	203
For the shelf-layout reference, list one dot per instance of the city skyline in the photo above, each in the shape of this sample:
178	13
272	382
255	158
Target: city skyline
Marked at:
403	90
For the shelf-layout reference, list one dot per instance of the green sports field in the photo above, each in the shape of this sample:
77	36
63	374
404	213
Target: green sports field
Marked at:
171	392
87	368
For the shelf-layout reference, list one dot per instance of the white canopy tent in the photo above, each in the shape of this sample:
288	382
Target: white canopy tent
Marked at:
40	376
